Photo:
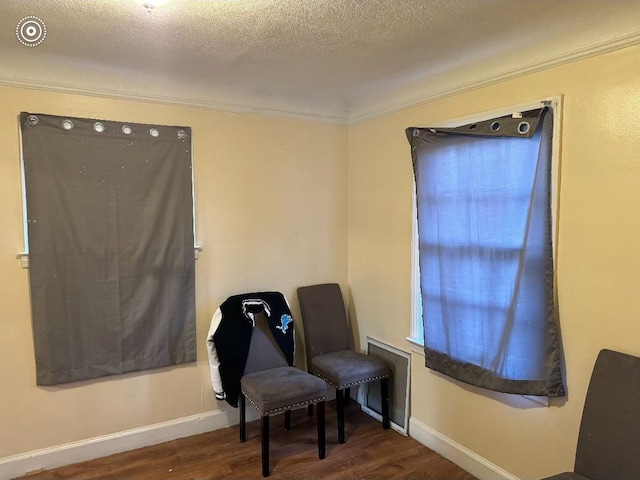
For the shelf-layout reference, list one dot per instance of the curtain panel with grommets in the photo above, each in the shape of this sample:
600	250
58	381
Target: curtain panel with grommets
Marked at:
109	209
483	193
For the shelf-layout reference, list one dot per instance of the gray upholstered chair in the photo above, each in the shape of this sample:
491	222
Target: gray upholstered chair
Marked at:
273	387
328	351
609	439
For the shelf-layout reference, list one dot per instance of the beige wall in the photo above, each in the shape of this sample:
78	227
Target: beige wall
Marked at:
278	206
271	202
598	261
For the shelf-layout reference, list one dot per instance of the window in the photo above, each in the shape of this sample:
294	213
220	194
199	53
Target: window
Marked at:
110	234
483	196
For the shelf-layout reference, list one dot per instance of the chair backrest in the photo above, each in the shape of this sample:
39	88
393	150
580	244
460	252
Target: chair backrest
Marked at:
264	352
609	439
324	319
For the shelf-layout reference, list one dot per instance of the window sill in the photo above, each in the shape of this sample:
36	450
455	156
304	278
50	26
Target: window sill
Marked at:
24	259
24	256
416	345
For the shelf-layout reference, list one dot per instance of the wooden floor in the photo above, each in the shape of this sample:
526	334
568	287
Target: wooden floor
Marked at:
369	453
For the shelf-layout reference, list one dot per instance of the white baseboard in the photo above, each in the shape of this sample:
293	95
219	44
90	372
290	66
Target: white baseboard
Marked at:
66	454
473	463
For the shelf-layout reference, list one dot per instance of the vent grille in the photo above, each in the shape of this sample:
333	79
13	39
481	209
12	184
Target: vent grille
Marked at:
400	365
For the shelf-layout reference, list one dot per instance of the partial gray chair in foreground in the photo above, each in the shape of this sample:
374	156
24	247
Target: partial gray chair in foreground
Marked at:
329	355
609	439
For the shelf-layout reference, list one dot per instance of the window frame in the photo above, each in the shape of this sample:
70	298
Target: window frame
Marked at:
23	256
416	336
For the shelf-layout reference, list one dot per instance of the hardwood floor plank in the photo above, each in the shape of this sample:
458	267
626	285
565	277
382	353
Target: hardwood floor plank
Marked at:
369	453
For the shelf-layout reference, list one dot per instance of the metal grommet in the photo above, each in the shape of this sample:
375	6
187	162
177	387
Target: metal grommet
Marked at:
154	132
98	127
495	126
67	124
126	129
523	128
33	120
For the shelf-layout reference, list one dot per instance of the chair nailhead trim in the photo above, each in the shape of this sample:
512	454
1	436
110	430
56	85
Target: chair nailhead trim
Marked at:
347	385
288	407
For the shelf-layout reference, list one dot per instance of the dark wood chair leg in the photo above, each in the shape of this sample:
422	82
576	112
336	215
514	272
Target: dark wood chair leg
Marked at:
384	394
264	434
287	420
321	435
243	418
310	410
340	411
347	396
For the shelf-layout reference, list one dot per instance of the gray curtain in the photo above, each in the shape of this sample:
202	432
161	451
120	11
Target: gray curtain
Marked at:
111	247
486	259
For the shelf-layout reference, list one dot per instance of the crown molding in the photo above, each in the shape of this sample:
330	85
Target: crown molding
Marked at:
71	89
424	95
419	93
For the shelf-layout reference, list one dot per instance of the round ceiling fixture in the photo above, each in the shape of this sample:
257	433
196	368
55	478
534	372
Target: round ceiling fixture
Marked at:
151	4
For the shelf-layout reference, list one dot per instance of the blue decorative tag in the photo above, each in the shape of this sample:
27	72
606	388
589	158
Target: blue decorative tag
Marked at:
285	320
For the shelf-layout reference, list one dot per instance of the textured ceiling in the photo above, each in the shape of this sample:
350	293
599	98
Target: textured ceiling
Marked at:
340	60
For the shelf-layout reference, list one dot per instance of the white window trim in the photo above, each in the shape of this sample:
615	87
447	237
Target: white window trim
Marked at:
415	337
